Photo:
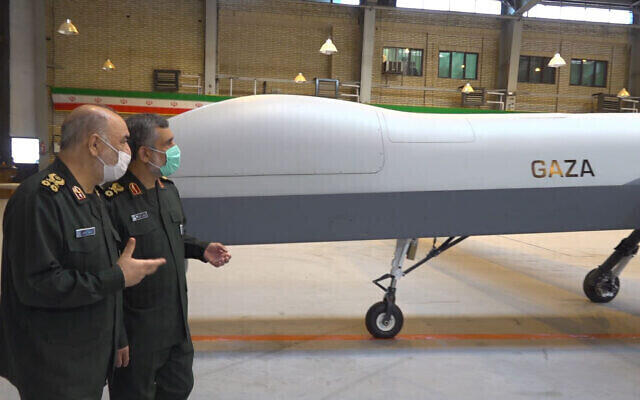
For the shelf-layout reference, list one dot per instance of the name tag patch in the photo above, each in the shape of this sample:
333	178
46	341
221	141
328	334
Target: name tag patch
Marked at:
84	232
139	216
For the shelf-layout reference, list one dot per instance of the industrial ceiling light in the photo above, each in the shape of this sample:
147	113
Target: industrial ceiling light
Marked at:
300	78
108	66
466	89
623	93
68	28
328	48
557	61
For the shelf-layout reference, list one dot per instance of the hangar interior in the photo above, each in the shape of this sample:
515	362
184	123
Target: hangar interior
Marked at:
496	317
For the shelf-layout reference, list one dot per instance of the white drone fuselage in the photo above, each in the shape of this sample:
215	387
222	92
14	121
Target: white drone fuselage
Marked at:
278	168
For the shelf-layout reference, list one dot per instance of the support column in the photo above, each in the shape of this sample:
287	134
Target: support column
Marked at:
633	85
28	71
5	141
509	59
211	46
366	65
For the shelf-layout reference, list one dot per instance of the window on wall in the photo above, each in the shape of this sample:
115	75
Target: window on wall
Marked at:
588	73
458	65
582	13
534	69
470	6
411	59
348	2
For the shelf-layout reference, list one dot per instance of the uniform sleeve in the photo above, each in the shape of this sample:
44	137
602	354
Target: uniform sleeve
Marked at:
123	340
36	246
194	248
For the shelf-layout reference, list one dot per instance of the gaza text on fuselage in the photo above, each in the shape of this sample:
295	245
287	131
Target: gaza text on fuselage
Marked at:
562	169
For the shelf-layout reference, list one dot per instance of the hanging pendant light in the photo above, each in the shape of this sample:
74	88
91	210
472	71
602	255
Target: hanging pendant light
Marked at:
623	93
328	48
108	66
466	89
300	78
557	61
68	28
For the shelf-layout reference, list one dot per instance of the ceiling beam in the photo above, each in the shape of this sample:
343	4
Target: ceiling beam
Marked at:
526	6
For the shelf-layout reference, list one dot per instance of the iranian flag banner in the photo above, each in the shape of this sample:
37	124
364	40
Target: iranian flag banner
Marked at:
129	102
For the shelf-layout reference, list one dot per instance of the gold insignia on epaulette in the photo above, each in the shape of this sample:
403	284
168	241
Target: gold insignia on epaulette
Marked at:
45	182
56	179
165	178
54	188
116	187
109	193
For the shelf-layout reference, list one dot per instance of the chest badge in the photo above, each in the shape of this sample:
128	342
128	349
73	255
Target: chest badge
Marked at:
84	232
139	216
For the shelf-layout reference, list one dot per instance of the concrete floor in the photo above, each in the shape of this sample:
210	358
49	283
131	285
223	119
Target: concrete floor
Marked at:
522	285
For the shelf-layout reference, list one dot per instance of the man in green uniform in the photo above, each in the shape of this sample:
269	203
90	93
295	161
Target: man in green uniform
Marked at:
146	205
62	280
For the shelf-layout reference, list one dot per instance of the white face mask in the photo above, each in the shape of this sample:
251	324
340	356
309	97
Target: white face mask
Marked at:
114	172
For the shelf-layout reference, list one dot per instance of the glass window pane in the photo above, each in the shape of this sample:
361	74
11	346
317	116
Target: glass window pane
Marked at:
350	2
463	6
442	5
545	11
621	17
488	7
601	70
410	3
457	62
471	66
588	72
523	69
575	72
548	73
392	54
572	13
535	71
443	64
403	55
415	64
594	14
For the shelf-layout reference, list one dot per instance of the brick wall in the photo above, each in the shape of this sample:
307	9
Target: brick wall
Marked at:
274	39
575	40
433	32
279	38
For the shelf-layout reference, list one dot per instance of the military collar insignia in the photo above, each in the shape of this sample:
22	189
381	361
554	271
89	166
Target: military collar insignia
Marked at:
134	189
53	181
79	193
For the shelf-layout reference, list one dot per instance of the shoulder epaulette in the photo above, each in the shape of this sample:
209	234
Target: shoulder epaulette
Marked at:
113	190
165	179
53	181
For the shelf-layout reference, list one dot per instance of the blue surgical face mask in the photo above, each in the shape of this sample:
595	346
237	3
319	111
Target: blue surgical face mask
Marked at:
173	160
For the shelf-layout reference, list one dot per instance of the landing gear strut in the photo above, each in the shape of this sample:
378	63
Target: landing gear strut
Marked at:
384	319
602	284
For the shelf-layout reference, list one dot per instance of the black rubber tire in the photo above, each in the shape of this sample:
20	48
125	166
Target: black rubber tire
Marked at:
374	323
593	283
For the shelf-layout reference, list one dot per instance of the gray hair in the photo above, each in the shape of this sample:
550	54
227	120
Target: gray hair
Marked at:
142	131
83	121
